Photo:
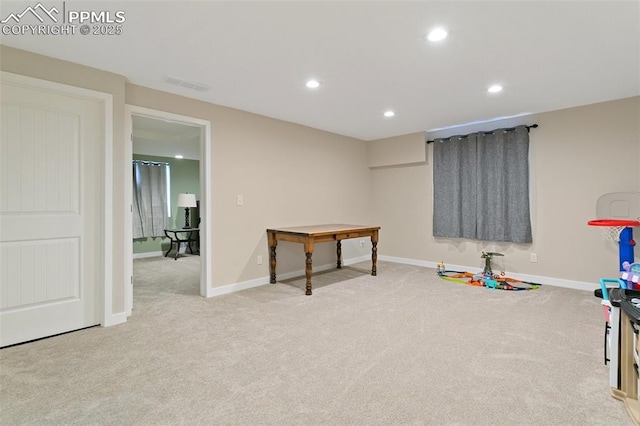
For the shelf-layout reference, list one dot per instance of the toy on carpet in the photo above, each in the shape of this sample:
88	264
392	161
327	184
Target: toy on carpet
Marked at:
618	213
486	278
631	274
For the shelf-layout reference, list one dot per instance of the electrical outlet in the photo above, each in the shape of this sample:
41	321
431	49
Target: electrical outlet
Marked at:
259	259
240	200
534	257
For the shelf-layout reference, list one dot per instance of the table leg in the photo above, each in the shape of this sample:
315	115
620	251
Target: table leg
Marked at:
272	257
166	233
339	253
177	250
308	270
189	243
374	252
308	249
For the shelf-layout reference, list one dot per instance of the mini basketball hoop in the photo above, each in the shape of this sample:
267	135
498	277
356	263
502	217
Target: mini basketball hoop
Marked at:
611	228
617	213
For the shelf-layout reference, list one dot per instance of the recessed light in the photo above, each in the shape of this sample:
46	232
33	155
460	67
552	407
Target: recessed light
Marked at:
313	84
179	157
389	114
437	34
495	88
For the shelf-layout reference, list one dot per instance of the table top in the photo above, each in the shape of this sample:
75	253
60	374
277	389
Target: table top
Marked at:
182	230
323	229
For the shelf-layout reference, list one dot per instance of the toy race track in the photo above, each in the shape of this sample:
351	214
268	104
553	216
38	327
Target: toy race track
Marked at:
486	278
494	282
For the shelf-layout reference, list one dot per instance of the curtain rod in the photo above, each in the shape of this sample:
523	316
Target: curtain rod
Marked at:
508	129
151	163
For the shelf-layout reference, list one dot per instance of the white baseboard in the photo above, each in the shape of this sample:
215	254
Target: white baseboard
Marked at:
557	282
150	254
115	319
231	288
406	261
355	260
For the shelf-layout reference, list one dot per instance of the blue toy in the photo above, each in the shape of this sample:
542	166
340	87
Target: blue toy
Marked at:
622	230
490	283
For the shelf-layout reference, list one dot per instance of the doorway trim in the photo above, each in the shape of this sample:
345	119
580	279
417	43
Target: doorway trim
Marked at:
206	271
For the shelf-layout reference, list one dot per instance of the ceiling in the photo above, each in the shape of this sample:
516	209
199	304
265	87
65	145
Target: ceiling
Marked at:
369	57
152	136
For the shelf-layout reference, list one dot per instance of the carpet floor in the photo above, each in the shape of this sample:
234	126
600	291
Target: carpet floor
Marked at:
402	348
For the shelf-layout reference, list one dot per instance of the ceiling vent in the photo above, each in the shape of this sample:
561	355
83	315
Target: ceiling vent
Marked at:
199	87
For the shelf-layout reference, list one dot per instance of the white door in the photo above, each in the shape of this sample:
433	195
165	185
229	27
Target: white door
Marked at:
51	196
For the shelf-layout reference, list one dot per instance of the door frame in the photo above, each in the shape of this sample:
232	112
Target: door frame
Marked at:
105	288
206	271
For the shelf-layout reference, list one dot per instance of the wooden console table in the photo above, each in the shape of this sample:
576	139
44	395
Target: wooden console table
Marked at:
309	235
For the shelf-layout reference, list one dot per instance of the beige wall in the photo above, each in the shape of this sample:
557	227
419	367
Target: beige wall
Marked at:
288	175
294	175
405	149
45	68
576	155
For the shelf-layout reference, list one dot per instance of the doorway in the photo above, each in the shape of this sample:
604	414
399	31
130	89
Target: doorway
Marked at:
199	131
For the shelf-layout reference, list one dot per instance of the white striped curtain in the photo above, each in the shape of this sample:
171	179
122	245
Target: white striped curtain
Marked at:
150	216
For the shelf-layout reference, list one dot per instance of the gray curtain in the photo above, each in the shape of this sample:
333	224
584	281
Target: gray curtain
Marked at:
454	181
150	216
481	186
